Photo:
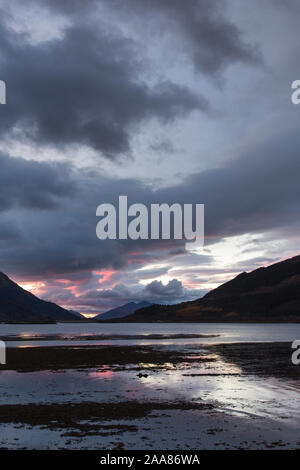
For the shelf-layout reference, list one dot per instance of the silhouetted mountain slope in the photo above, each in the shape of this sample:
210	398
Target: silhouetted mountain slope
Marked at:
122	311
19	305
77	314
270	294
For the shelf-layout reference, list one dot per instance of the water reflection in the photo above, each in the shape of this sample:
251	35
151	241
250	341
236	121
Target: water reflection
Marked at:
200	381
150	333
105	372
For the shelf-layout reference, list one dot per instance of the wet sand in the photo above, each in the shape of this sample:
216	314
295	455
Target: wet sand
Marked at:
62	357
220	396
262	359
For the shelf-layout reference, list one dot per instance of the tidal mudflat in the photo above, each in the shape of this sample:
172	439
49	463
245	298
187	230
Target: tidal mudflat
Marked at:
158	396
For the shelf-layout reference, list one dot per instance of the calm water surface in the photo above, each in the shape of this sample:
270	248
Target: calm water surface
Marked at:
140	333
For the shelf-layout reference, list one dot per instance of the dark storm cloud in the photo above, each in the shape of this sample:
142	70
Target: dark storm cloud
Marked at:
34	185
206	35
83	88
55	224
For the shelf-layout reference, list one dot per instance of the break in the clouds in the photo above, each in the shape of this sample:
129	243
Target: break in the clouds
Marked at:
162	101
93	301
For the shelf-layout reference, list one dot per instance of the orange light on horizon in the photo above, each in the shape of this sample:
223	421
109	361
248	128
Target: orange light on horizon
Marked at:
89	315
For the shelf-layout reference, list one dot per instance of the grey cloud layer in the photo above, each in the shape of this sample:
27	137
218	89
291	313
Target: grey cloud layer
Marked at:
86	87
33	185
207	36
210	39
257	192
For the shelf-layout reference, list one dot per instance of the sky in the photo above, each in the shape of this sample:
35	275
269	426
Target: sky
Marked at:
159	100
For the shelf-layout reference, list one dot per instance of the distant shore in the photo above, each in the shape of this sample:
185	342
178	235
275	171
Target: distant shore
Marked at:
246	322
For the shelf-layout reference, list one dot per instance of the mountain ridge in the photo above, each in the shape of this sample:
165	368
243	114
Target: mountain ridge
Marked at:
20	305
122	311
266	294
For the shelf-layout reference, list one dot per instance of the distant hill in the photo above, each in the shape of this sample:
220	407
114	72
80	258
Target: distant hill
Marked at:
122	311
19	305
268	294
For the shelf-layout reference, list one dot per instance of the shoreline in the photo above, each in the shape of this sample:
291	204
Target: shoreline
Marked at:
113	322
259	358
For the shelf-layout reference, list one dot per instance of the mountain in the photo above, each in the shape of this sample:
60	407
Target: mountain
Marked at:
122	311
77	314
19	305
267	294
